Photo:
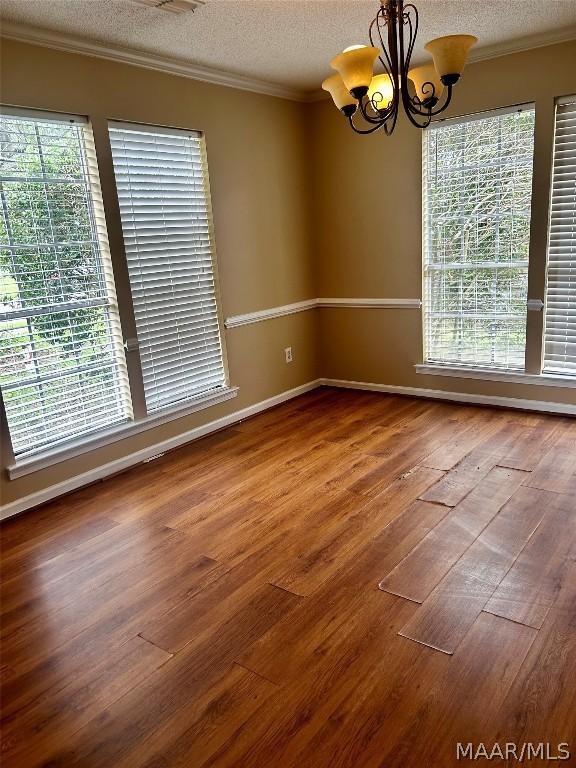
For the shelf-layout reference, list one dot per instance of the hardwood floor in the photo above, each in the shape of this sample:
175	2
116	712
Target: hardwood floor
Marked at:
275	595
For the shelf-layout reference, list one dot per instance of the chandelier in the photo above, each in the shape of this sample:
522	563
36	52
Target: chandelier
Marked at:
372	101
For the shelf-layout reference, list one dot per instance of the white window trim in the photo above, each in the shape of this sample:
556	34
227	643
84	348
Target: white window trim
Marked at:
492	374
109	301
559	102
107	437
178	131
532	305
439	122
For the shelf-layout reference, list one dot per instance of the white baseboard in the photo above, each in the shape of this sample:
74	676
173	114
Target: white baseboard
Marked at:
59	489
542	406
113	467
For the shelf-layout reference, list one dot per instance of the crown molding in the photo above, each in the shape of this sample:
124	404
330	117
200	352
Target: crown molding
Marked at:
527	43
71	44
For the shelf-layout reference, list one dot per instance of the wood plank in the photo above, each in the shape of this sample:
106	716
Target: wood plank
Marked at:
541	704
118	608
417	575
363	431
531	443
289	526
293	645
414	715
448	613
96	587
367	650
48	722
204	724
117	731
315	565
556	470
29	555
457	483
84	566
237	614
532	585
403	449
453	451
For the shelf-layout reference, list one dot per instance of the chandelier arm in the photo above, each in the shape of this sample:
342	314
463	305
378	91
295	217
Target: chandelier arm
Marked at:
389	127
407	19
446	103
411	112
381	117
409	107
392	13
415	105
375	22
368	130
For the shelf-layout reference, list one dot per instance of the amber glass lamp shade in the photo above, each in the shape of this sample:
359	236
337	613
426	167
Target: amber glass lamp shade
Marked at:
340	94
355	66
421	78
450	54
380	91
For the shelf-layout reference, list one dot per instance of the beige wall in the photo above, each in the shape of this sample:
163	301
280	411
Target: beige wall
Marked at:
367	212
258	163
302	208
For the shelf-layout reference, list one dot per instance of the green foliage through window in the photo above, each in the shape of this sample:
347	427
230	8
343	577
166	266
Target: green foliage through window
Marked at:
477	195
61	366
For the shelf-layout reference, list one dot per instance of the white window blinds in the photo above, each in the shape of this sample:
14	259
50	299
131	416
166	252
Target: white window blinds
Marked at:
477	186
162	181
62	366
560	336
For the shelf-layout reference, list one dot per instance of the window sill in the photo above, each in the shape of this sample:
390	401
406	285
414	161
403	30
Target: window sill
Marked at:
47	459
492	374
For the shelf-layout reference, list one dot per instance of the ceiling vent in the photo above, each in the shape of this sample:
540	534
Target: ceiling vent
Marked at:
174	6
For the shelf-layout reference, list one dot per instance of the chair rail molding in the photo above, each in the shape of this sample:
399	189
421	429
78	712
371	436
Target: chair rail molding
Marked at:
234	321
268	314
372	303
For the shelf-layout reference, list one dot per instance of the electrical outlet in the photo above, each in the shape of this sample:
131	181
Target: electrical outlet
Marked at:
288	354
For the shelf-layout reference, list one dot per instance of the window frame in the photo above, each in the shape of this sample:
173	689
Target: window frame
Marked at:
455	368
568	378
141	420
103	272
132	343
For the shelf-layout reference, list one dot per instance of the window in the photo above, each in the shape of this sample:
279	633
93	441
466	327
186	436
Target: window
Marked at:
162	182
62	369
560	336
477	186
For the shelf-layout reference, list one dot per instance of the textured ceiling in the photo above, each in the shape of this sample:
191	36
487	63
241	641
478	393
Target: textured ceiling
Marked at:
288	42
